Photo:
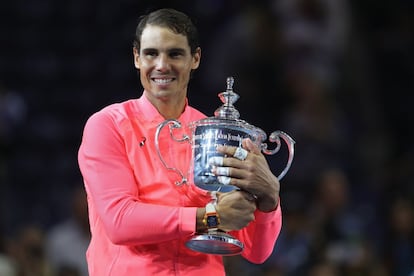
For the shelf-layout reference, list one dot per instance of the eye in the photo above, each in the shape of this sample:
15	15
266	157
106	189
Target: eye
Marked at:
150	53
176	54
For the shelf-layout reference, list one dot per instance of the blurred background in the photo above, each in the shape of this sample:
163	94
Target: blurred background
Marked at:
336	75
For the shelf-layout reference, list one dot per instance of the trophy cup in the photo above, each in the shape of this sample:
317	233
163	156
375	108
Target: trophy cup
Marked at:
225	128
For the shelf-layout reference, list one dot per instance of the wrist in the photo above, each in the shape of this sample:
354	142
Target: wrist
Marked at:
211	219
200	227
268	205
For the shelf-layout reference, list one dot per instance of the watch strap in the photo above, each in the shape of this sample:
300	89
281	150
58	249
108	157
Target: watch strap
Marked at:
210	208
211	218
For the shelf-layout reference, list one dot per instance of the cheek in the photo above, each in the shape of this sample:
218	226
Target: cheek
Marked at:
143	76
143	68
186	69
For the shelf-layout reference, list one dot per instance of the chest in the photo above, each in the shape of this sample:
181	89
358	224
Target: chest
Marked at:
159	169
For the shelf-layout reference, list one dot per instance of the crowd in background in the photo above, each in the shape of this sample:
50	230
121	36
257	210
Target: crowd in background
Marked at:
338	76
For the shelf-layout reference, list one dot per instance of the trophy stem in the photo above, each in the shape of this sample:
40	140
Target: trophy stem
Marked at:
215	241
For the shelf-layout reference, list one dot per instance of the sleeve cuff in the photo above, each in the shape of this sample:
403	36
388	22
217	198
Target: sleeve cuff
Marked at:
263	218
188	217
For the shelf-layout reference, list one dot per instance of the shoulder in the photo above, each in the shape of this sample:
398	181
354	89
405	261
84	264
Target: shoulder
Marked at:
115	113
109	121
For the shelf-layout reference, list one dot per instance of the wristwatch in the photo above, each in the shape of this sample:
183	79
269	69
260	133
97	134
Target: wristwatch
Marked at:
211	219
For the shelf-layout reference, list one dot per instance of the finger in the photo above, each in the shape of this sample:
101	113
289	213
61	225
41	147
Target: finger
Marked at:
239	183
250	146
240	153
230	171
235	152
249	196
219	161
216	161
225	180
222	171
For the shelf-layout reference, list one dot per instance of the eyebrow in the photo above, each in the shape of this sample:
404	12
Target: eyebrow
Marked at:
149	49
180	50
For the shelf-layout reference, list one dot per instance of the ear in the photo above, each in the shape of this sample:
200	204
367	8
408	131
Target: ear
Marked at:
196	58
136	57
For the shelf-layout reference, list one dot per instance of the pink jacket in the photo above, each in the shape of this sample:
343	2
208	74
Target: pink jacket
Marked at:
139	219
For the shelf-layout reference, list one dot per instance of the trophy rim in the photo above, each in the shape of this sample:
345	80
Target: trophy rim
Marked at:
243	125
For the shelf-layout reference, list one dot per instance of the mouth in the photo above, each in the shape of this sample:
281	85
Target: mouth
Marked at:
162	81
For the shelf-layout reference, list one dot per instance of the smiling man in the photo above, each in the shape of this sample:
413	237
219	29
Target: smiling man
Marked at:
140	220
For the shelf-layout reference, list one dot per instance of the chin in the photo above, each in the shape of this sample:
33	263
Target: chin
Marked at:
163	94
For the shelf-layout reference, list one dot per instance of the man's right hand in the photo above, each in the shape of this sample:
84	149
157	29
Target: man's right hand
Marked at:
236	210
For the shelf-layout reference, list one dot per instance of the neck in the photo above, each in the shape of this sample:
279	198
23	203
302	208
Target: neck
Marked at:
169	108
169	111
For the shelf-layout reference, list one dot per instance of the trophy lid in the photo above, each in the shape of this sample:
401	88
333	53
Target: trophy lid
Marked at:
228	115
228	98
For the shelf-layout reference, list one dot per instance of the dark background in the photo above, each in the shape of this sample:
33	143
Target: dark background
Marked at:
337	77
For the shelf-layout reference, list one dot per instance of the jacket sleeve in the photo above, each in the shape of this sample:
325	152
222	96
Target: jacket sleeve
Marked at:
113	192
260	236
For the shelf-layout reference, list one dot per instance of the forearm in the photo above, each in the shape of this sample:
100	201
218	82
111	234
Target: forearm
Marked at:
130	222
260	236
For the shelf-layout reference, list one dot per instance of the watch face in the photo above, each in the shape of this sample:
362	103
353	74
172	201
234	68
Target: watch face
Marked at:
212	221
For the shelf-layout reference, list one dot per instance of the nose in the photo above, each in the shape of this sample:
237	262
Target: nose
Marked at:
162	63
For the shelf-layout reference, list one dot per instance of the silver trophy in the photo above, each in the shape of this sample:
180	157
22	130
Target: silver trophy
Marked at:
225	128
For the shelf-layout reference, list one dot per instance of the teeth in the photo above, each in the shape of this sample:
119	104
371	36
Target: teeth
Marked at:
162	80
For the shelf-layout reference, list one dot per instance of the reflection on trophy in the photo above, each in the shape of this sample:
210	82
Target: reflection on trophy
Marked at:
225	128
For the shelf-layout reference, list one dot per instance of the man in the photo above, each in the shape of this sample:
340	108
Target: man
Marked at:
140	219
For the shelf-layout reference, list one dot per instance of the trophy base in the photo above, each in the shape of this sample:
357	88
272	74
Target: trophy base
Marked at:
217	243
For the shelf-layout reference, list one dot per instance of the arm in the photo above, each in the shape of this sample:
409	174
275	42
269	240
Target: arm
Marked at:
256	229
260	236
113	192
254	177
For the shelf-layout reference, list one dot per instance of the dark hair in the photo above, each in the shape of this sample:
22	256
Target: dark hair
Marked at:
177	21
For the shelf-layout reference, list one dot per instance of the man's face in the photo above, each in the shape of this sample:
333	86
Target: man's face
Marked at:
165	62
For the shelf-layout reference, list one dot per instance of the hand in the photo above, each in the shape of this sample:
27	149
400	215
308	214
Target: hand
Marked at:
252	174
236	210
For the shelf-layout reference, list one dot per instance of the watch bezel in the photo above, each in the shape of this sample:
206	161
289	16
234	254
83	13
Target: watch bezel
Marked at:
211	220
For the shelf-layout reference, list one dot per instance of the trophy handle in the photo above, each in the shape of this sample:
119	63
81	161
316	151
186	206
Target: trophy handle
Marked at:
173	124
275	138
